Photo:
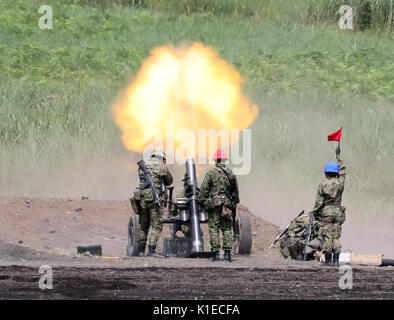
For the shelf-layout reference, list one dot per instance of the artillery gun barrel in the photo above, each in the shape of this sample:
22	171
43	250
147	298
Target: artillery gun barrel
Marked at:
197	244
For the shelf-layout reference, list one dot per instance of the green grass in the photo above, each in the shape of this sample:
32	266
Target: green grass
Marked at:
368	14
308	78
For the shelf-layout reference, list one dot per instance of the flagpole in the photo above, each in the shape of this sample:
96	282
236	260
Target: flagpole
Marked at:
339	142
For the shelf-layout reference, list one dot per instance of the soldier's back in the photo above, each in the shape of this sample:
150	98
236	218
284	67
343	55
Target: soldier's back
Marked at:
221	183
333	190
153	166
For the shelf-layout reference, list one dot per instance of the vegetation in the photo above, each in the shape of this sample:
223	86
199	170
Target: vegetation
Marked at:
375	14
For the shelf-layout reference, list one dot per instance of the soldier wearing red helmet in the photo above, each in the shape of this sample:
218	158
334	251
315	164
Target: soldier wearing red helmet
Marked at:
219	194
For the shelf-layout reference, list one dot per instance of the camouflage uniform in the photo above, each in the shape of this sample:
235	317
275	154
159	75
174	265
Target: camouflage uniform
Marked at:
293	243
215	193
151	215
329	211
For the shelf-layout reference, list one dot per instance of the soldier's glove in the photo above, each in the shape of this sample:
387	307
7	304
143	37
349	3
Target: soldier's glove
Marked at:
338	151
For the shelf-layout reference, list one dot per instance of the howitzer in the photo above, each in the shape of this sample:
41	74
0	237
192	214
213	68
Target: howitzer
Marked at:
308	235
190	213
284	230
171	190
191	190
149	182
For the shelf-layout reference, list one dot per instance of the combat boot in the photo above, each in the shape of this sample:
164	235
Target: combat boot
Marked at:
227	256
216	256
335	260
152	252
328	262
141	249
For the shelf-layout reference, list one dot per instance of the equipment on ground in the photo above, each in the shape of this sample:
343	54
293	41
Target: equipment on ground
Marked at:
94	249
365	259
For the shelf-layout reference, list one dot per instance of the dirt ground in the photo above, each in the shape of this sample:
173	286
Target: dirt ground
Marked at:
36	232
59	226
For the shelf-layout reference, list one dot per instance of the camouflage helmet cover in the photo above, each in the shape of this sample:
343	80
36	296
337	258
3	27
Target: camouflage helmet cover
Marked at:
158	153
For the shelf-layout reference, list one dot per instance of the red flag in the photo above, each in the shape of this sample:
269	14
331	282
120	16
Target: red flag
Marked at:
335	136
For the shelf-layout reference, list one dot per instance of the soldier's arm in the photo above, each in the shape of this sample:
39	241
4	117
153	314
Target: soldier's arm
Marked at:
205	188
296	229
319	200
342	169
236	189
166	175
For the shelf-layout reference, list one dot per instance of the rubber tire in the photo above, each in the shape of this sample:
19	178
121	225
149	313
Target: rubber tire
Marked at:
132	232
243	233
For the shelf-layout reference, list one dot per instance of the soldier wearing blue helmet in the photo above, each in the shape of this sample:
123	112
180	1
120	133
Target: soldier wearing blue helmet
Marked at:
329	210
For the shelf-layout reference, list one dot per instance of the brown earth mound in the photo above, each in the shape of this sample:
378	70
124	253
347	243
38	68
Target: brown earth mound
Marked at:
60	225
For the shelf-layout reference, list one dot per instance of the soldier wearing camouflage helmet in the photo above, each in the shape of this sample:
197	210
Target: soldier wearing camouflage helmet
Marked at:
151	214
329	211
219	195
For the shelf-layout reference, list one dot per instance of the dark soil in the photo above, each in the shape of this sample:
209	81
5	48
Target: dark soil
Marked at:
49	230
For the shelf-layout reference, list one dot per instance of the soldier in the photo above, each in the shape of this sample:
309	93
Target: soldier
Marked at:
219	195
293	242
329	211
151	214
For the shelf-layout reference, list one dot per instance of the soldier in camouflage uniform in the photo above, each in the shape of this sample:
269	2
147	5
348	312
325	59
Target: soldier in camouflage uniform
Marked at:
219	195
329	211
151	214
293	242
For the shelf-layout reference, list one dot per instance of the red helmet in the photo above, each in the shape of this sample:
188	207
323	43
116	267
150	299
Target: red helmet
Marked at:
220	154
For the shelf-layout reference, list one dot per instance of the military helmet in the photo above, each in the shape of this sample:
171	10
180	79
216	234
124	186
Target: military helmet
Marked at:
331	167
220	154
158	153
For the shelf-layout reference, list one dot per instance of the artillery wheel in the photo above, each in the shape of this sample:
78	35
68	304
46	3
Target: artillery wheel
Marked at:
132	231
242	233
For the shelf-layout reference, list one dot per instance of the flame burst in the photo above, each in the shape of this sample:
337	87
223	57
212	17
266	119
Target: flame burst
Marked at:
190	86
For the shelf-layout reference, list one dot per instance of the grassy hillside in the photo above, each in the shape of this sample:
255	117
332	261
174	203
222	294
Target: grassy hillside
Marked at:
368	14
308	77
